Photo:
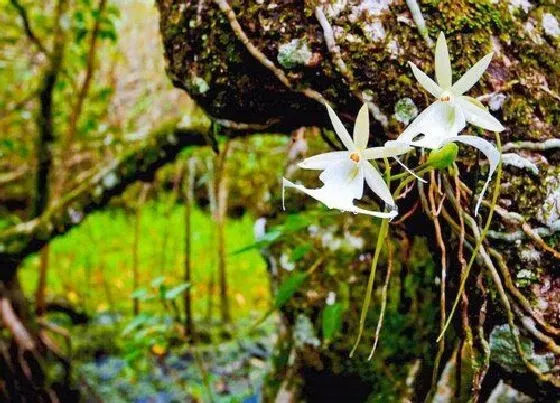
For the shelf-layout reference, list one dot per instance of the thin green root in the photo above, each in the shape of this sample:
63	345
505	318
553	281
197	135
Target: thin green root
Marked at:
380	238
365	307
383	298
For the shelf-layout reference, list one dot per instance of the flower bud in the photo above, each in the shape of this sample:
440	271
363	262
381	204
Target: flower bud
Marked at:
444	156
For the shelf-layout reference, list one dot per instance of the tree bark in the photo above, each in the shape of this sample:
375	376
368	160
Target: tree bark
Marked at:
43	191
257	64
188	193
179	173
222	194
40	292
136	246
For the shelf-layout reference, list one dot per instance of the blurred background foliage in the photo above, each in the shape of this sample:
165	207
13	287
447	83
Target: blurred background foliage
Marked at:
116	354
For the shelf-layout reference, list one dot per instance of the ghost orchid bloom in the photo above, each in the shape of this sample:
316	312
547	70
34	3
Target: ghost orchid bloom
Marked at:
442	121
344	171
447	115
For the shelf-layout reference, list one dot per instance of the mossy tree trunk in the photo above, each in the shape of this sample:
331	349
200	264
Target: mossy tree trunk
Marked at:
268	65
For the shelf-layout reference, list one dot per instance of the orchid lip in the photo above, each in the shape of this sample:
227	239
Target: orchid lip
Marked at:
446	96
355	157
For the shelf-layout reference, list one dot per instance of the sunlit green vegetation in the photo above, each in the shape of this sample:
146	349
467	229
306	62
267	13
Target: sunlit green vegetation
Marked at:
125	356
91	266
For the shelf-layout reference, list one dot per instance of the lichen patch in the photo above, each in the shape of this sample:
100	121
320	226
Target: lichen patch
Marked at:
550	25
294	53
549	213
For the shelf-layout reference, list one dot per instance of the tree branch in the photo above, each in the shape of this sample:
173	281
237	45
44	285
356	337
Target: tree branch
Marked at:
160	148
22	12
90	69
45	119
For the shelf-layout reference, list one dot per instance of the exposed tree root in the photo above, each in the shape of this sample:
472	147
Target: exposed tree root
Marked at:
521	299
506	303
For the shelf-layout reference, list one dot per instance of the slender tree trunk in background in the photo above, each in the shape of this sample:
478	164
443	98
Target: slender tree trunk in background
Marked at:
188	193
81	97
107	289
210	184
45	147
90	70
42	282
136	246
210	305
46	126
222	252
221	191
45	122
167	215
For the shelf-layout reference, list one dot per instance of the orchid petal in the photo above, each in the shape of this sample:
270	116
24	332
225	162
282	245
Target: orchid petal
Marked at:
336	199
361	128
376	183
426	82
470	78
443	63
340	130
390	215
344	177
490	151
478	115
438	122
323	161
390	149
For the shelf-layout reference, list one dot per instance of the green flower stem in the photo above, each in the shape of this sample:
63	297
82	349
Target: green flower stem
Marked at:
383	297
383	229
365	307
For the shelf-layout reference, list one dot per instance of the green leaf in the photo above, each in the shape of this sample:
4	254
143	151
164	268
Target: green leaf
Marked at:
299	252
288	288
293	223
444	156
138	321
332	320
158	281
296	222
176	291
140	293
267	239
8	144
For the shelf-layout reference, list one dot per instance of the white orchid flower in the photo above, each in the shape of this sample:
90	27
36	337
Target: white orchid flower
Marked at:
447	115
442	121
344	171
